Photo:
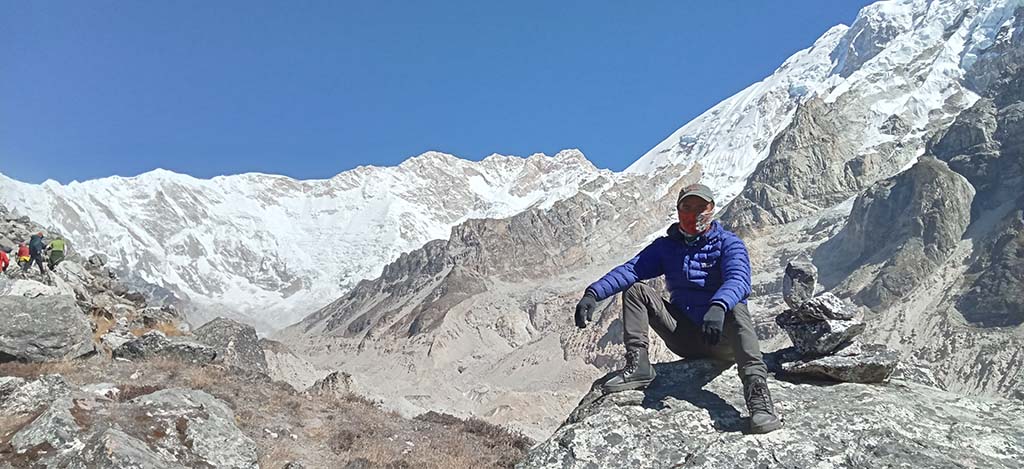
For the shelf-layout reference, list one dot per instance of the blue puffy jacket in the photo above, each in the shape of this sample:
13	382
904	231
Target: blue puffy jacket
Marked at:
714	269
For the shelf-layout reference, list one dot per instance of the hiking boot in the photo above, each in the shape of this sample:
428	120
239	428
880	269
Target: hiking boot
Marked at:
637	374
759	403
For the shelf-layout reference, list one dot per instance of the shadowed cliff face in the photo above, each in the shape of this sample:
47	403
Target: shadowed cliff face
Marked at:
900	229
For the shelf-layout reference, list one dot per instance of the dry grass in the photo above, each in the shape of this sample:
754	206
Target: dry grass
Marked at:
318	431
103	325
33	370
170	330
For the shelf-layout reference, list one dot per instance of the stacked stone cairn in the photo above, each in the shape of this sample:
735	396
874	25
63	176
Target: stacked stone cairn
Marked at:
823	330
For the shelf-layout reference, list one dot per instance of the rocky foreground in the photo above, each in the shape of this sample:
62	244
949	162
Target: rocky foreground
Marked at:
690	418
167	413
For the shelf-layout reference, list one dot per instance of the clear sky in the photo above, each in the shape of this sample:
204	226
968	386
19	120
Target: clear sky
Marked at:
311	88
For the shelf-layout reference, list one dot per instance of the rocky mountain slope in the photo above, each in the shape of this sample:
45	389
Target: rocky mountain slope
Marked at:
860	152
92	378
270	249
689	418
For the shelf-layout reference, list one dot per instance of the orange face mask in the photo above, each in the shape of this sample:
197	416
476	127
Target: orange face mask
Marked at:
695	223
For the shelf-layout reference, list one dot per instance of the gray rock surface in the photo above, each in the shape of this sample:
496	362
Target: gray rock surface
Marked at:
236	343
43	329
799	282
336	383
805	171
156	344
155	316
114	449
826	306
9	384
205	431
996	294
113	340
98	260
26	397
90	427
860	364
818	337
923	212
55	427
691	417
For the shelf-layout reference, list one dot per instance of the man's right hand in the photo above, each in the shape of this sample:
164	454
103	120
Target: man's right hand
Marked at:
585	310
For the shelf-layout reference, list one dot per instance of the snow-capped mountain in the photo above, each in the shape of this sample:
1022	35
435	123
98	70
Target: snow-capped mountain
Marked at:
272	249
903	58
826	157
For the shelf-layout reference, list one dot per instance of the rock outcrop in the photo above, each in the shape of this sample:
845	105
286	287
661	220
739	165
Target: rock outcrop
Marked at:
819	337
899	231
799	282
47	328
854	363
337	383
690	417
237	344
823	330
64	426
157	344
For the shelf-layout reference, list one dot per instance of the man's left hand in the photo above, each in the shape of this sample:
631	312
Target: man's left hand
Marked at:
714	320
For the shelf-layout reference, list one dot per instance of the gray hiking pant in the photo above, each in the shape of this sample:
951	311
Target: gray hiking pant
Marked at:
644	308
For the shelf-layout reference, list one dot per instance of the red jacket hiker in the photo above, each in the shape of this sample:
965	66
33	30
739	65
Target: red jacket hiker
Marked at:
4	261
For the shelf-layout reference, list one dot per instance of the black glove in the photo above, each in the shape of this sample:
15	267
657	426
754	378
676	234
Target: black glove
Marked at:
585	309
714	319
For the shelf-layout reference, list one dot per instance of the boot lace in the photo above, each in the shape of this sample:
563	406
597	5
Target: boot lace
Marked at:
632	359
760	400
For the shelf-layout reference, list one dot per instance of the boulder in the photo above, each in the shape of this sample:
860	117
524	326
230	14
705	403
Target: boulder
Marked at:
7	245
691	417
202	424
55	427
855	364
156	344
97	261
115	339
21	397
136	297
236	343
817	338
337	383
799	282
9	384
823	307
89	427
43	329
29	288
114	449
154	316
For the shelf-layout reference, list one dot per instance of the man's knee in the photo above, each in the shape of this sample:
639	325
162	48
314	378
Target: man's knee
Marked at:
637	291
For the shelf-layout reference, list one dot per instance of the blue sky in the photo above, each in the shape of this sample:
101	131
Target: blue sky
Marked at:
312	88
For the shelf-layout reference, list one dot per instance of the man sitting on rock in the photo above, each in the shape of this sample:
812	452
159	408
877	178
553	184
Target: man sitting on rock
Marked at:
707	272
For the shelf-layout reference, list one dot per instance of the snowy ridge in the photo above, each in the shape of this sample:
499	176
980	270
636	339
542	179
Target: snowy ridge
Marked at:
904	58
729	139
273	248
